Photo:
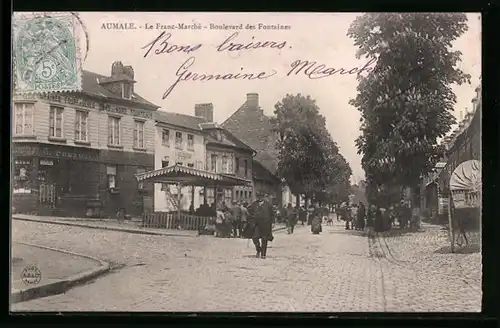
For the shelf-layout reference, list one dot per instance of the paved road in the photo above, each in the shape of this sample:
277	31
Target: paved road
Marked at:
336	271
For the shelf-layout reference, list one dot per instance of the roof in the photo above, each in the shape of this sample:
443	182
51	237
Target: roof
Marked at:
91	86
254	128
181	120
260	172
229	140
190	176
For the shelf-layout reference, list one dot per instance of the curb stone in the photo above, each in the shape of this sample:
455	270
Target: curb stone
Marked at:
136	231
62	285
81	225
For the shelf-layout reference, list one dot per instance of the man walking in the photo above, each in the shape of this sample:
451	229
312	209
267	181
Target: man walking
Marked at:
262	216
236	218
291	218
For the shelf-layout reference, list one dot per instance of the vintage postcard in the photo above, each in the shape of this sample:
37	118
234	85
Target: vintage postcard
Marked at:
237	162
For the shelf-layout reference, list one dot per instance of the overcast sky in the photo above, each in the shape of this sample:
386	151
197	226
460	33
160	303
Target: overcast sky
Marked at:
314	37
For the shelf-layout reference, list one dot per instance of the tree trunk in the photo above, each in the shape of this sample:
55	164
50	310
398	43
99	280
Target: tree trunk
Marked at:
297	200
306	201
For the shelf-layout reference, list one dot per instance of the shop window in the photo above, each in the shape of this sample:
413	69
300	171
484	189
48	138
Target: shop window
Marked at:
165	138
140	184
228	196
139	134
237	194
22	171
81	126
210	196
213	163
190	142
250	195
111	174
24	119
56	122
178	140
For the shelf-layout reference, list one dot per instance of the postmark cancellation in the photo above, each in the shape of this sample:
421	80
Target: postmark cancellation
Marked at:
46	53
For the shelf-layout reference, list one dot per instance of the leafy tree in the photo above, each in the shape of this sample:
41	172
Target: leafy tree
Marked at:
308	158
406	101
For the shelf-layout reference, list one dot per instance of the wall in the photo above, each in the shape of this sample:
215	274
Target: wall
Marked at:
173	155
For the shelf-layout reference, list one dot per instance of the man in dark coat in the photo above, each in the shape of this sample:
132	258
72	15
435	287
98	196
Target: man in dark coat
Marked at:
235	211
262	217
360	224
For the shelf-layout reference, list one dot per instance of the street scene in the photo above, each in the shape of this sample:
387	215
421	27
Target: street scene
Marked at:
262	182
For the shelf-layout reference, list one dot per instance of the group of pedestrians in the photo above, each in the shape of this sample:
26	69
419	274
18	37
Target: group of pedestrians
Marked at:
377	218
241	220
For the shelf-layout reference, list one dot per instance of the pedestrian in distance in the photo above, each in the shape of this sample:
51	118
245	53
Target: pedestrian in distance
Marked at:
291	219
261	220
316	218
370	219
235	211
360	224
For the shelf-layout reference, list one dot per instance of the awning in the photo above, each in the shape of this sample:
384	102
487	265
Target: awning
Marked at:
191	176
467	176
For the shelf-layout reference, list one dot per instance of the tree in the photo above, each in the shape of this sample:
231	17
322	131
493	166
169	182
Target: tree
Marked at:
308	158
406	101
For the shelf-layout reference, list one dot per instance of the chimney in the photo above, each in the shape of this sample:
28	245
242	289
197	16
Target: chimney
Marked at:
204	110
253	100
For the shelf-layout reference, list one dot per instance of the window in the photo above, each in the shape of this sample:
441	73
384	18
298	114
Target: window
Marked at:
213	163
139	134
126	90
23	119
237	194
178	140
250	195
81	127
225	165
237	165
165	138
55	122
245	163
164	163
190	145
228	196
111	173
140	184
113	131
179	163
191	165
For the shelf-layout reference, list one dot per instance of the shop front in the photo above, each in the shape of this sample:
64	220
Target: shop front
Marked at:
54	179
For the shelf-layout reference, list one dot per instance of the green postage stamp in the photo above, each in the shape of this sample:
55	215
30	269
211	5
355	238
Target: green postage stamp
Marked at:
46	53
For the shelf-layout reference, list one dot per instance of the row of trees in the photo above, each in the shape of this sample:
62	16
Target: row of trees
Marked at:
406	101
308	159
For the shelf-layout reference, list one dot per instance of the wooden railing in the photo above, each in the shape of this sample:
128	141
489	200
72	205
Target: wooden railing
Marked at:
170	220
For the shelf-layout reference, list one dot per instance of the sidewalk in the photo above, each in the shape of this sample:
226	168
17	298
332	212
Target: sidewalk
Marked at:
131	226
50	271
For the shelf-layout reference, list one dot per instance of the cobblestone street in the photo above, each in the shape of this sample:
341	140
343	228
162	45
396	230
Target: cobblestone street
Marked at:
337	271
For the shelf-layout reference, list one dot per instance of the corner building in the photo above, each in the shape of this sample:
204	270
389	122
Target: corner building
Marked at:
75	154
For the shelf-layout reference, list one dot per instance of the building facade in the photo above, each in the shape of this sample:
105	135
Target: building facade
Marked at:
250	125
179	140
462	145
76	154
226	154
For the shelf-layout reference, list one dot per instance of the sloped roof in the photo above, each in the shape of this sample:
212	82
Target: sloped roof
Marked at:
253	127
229	140
91	86
181	120
260	172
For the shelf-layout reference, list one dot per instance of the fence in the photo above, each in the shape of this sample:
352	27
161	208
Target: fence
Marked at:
169	220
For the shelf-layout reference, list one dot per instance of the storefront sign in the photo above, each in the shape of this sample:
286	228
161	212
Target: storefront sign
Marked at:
69	100
68	154
46	162
22	97
126	111
24	150
181	155
54	152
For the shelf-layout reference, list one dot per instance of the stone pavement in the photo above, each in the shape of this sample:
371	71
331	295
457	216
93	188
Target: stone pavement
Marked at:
53	265
336	271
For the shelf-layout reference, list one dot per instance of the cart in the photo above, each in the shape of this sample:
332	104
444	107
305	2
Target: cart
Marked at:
464	214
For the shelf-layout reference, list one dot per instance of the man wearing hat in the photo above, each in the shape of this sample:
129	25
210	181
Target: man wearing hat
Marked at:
262	216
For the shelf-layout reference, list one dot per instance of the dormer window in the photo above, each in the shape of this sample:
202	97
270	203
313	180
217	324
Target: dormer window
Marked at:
126	90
